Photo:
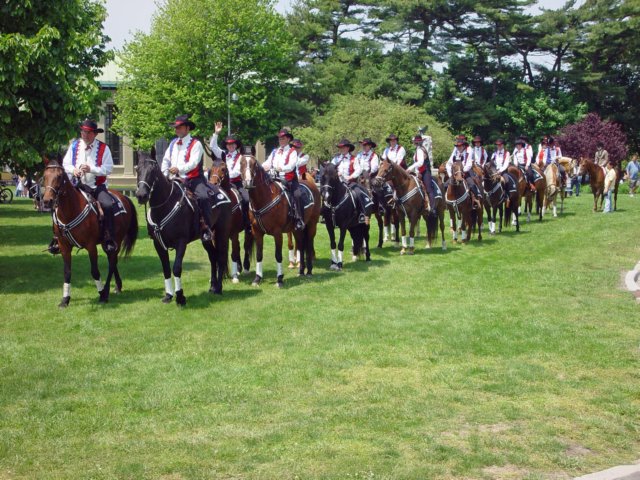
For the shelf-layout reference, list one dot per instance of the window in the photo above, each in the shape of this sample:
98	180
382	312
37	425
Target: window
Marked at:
113	140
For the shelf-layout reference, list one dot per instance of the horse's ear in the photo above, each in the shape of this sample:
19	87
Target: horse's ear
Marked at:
152	153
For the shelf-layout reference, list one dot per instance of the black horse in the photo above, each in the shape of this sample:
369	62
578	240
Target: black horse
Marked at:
340	210
383	197
500	197
173	221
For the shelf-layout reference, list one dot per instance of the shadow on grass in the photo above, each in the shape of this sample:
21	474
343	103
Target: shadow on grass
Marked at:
16	235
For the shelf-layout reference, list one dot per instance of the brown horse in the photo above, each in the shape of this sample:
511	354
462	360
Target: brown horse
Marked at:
460	203
540	187
596	179
269	214
76	224
554	188
219	175
410	203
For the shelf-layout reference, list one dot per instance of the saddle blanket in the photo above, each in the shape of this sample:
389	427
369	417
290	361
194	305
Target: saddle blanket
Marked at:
307	195
437	192
118	206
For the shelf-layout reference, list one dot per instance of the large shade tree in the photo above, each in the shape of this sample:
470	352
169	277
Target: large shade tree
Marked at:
50	55
196	49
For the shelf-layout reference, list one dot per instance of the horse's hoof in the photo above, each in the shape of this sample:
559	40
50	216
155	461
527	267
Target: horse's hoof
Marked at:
215	290
279	284
403	251
367	259
291	266
354	258
334	266
181	300
117	291
309	275
410	251
256	281
427	247
64	303
235	279
167	298
444	246
104	296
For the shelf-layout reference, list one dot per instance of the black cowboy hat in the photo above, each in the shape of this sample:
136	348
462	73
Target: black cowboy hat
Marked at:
183	120
520	141
393	136
368	141
499	141
418	139
525	138
478	138
285	133
297	143
462	137
460	141
346	143
89	125
551	139
232	139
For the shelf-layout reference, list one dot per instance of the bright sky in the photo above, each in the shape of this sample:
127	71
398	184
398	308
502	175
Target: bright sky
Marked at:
127	16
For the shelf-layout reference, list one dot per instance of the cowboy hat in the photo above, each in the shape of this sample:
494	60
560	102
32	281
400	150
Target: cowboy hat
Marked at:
478	138
232	139
183	120
297	143
499	141
346	143
285	133
368	141
393	136
89	125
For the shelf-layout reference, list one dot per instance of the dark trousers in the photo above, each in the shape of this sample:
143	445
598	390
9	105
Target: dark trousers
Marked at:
426	179
199	187
359	193
294	188
106	203
244	201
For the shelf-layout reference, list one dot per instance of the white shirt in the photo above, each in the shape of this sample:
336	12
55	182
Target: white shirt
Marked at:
501	159
463	156
418	160
394	154
345	165
548	154
427	143
369	161
303	159
232	159
521	157
89	156
176	156
283	159
479	155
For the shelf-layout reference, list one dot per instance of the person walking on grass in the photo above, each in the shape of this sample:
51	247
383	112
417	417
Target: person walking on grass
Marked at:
633	175
609	185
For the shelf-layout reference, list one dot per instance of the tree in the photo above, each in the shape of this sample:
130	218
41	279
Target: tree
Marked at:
196	49
356	117
581	139
50	55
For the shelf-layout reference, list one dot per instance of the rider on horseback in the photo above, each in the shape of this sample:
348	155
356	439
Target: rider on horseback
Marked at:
231	156
522	160
303	158
394	152
550	153
183	159
368	159
89	160
478	153
349	169
462	154
502	160
284	160
422	165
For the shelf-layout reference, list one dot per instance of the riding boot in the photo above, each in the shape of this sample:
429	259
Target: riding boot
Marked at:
110	245
205	220
298	208
54	246
245	218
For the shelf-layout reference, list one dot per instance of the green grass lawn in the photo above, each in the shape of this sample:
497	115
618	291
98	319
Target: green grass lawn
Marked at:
514	358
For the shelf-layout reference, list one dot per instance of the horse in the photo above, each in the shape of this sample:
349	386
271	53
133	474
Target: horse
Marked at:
554	188
596	180
173	221
498	199
540	187
382	195
219	175
76	224
343	213
410	202
269	215
460	203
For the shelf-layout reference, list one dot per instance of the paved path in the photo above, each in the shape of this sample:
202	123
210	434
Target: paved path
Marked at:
623	472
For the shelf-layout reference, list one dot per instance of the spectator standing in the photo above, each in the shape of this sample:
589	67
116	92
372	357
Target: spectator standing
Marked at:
609	185
633	175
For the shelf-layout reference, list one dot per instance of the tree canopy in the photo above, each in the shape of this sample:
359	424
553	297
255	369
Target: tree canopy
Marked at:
50	55
195	50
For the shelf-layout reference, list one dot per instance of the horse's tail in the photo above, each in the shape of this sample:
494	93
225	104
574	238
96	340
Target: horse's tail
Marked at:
432	226
129	240
248	244
357	235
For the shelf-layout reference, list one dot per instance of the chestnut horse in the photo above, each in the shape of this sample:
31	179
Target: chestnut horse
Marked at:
173	221
269	214
410	202
219	175
76	224
554	188
460	203
596	179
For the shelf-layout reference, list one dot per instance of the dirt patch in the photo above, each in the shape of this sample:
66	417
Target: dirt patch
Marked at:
505	472
575	450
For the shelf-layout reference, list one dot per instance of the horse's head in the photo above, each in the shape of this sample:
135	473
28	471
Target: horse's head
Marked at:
218	172
147	174
249	169
328	181
54	179
385	171
490	171
583	166
457	175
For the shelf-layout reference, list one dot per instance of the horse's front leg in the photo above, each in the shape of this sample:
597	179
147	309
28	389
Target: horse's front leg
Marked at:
163	254
292	251
258	236
66	288
278	250
343	233
112	259
367	252
103	292
413	224
214	287
235	257
181	248
380	230
248	247
332	241
403	234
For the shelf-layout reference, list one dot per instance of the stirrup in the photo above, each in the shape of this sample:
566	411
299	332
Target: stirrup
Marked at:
54	247
206	235
109	246
299	225
362	218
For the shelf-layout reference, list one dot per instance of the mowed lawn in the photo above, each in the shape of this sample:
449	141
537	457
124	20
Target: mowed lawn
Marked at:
517	357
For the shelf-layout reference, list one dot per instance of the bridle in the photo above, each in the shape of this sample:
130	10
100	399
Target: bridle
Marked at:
57	191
